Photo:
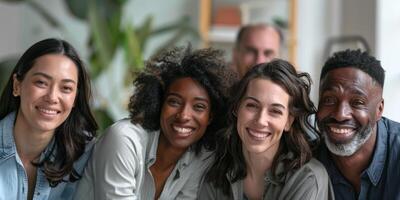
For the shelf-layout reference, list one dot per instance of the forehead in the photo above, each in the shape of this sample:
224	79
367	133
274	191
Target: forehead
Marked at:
261	35
348	79
55	65
265	90
188	86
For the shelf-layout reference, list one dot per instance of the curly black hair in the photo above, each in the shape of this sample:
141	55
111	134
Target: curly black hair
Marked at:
356	59
206	66
229	157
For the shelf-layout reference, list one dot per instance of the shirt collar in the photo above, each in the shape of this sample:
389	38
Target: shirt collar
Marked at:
280	175
7	144
184	161
375	169
326	159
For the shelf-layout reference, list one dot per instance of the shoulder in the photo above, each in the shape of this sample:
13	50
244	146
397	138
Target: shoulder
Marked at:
313	173
392	127
123	131
311	181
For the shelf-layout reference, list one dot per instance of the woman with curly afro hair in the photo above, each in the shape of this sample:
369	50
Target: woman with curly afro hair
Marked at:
162	151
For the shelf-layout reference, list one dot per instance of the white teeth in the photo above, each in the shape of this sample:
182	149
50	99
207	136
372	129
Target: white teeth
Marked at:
47	111
182	130
259	135
341	130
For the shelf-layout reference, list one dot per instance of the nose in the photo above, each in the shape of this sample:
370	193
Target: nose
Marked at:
342	112
260	58
184	113
52	95
262	118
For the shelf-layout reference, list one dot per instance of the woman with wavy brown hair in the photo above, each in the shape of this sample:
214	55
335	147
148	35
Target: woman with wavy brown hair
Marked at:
264	152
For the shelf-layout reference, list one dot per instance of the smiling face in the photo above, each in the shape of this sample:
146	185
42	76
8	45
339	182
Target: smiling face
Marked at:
47	93
185	113
262	116
350	105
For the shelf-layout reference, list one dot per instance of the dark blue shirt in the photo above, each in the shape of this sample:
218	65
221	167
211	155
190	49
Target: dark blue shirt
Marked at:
381	180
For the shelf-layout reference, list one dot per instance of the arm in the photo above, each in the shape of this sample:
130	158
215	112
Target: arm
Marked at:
309	182
113	168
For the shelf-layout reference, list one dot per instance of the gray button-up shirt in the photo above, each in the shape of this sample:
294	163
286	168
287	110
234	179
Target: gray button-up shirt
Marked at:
310	182
120	167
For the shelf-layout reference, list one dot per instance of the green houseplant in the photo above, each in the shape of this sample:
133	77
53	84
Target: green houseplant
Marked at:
115	49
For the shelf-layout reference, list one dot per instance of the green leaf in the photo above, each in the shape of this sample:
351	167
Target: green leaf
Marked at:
102	48
133	53
6	67
78	8
103	119
143	32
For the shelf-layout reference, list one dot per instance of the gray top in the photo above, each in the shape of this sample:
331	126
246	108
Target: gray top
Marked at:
309	182
119	167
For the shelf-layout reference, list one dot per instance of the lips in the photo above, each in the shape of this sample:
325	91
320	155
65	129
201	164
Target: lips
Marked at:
183	131
340	134
258	135
47	111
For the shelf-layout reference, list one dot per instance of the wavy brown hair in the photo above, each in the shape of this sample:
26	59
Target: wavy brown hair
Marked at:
229	158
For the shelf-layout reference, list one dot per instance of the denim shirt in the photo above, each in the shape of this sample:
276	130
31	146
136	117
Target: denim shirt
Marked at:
13	179
381	180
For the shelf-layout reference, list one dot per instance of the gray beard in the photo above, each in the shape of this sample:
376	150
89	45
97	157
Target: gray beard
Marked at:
350	148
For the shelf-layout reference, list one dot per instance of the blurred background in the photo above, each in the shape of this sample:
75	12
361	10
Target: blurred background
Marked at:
114	37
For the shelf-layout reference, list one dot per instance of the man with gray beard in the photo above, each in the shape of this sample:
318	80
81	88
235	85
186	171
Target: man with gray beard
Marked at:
361	148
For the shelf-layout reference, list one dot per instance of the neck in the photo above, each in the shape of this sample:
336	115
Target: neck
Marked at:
167	155
30	143
259	163
353	166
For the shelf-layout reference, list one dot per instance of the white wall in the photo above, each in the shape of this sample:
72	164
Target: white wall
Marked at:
388	42
10	34
314	28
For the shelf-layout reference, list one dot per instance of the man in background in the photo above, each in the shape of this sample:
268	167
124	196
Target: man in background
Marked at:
257	43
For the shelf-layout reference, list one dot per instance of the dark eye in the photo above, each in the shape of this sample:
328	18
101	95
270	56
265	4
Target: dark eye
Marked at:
67	89
276	112
251	106
174	102
358	102
40	83
199	107
327	101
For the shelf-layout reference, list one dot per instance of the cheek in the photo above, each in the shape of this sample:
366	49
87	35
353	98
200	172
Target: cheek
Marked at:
204	120
69	100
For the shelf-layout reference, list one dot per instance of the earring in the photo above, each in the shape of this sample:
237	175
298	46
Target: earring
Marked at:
15	93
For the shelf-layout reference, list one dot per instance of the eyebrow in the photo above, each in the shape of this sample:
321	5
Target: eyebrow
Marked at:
198	98
273	105
51	78
356	90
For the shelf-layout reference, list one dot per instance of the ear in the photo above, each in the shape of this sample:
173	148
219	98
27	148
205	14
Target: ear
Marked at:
16	86
289	123
379	109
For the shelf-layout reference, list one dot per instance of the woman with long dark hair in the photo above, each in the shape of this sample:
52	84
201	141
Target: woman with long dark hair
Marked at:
45	123
264	153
